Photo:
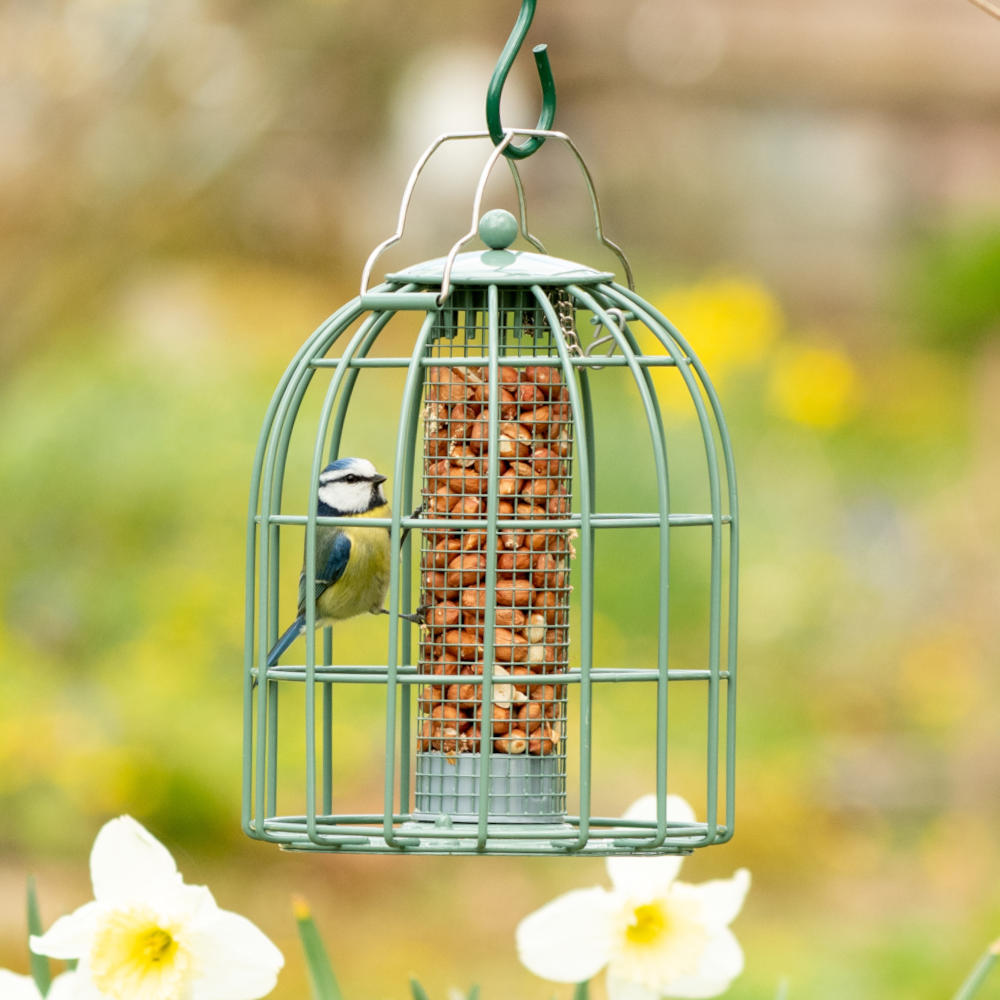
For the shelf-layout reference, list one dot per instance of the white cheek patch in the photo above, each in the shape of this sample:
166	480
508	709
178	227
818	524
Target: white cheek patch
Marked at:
351	498
331	496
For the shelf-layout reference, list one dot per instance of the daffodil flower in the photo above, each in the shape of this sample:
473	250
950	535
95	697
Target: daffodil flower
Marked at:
148	936
656	936
16	987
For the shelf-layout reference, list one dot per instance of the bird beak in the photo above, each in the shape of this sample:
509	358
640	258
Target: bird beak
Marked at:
378	480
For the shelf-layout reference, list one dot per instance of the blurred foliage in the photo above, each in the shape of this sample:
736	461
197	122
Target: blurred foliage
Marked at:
958	302
179	183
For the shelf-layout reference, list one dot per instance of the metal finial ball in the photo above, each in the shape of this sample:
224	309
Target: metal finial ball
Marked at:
498	229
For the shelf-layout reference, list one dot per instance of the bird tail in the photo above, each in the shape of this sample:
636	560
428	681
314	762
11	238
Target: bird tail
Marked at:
287	638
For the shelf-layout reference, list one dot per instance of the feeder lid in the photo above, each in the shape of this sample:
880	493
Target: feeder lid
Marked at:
500	266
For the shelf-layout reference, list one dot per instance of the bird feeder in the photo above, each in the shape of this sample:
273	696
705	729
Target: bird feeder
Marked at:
489	694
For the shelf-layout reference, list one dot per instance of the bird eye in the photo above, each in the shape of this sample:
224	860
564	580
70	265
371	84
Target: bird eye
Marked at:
350	479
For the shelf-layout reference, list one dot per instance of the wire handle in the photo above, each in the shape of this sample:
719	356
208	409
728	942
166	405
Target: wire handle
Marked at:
499	78
491	161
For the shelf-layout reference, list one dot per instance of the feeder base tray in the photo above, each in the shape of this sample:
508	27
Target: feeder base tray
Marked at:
522	788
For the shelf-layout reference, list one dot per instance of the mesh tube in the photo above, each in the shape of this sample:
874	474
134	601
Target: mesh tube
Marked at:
533	450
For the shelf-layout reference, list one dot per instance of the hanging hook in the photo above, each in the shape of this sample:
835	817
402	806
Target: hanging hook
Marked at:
506	60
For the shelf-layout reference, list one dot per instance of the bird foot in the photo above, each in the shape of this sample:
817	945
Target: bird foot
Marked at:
416	617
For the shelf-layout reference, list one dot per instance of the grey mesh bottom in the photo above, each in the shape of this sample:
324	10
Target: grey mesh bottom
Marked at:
522	788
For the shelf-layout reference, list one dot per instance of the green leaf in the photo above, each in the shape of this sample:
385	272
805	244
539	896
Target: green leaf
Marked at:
473	993
322	981
41	971
419	993
582	991
980	971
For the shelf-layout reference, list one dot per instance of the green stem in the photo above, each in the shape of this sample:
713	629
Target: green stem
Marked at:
419	993
977	977
322	981
41	971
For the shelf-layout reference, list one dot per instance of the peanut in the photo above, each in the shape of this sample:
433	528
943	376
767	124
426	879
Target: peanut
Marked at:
447	385
508	485
538	421
462	455
540	490
443	551
512	592
443	615
465	569
545	378
514	441
508	562
535	632
463	644
529	394
467	507
546	462
515	742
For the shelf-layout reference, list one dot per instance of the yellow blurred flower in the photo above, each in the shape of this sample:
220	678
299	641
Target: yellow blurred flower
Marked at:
729	322
815	386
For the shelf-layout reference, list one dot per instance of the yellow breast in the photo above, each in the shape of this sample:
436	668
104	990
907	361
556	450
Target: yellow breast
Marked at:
365	580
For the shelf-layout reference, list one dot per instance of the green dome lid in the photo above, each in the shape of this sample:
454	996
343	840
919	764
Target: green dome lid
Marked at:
499	265
502	267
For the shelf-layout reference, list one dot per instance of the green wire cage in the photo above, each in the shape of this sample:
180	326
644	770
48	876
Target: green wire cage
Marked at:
489	697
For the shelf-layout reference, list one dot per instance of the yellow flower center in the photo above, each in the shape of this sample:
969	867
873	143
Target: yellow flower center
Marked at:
156	945
135	957
648	924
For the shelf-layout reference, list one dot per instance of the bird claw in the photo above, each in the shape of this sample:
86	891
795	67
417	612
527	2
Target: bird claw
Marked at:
417	617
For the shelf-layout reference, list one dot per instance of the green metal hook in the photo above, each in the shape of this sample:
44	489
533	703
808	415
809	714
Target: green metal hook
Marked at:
506	60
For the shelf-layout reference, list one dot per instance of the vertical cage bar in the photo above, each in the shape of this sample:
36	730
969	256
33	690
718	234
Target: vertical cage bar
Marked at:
641	310
410	415
365	335
733	596
265	497
647	394
408	404
586	557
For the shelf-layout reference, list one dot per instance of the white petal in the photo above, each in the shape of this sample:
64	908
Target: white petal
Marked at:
64	987
129	863
69	936
646	878
625	989
569	939
82	986
719	900
234	959
721	962
15	987
678	809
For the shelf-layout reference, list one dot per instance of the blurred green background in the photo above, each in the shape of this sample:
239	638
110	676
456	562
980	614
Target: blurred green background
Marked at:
811	193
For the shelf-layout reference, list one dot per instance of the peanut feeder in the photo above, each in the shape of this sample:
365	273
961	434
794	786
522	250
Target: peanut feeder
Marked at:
499	536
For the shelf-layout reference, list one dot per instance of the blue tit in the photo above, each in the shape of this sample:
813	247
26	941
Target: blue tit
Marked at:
352	563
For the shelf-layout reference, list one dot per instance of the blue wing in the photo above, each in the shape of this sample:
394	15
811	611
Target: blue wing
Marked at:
332	555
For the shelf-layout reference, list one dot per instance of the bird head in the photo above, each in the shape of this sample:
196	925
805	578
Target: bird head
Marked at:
351	486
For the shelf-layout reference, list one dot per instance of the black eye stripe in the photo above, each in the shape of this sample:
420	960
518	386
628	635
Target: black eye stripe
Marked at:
349	478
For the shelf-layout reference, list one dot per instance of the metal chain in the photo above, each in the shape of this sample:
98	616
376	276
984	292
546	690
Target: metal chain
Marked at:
563	303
